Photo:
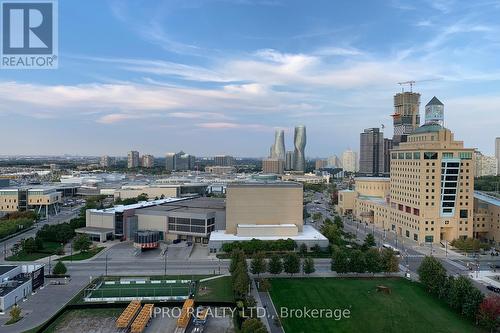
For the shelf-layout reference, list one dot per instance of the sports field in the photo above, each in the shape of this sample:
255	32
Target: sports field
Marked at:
408	308
154	288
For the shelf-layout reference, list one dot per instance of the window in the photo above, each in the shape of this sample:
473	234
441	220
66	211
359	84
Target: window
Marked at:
416	156
429	155
408	156
465	155
401	156
464	213
447	155
429	239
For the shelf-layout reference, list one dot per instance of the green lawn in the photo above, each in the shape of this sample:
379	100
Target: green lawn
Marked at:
49	248
82	255
407	309
217	290
142	290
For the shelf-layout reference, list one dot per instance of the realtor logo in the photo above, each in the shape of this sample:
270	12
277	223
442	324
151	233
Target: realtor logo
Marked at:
29	34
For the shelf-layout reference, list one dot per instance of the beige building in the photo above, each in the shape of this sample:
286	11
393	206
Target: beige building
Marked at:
320	164
265	211
429	195
262	204
42	200
486	217
148	161
309	178
159	191
273	165
219	170
133	159
350	162
485	165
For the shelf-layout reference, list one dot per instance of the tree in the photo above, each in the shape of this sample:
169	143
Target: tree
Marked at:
472	301
253	325
432	274
236	257
291	263
265	285
15	314
82	243
59	268
333	233
445	288
308	266
357	262
316	249
390	263
489	313
373	261
29	245
258	264
303	248
459	292
368	242
338	222
340	262
275	265
317	216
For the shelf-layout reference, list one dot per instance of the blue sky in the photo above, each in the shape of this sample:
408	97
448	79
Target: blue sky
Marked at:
218	76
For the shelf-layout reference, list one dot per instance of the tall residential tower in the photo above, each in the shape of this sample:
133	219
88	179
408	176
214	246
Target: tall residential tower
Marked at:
300	145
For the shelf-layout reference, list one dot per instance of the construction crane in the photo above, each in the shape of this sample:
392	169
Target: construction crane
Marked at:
411	83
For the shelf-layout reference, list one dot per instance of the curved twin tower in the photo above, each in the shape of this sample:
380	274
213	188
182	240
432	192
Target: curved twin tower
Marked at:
278	148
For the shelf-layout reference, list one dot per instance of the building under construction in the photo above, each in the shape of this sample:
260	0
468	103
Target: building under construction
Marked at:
406	117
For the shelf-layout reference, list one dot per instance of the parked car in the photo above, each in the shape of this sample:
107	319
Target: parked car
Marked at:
494	289
176	241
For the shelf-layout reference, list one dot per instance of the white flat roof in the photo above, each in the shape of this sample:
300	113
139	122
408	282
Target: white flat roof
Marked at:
487	198
266	225
308	233
142	204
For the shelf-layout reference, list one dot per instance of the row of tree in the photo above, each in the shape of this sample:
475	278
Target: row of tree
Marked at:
370	261
469	244
240	281
291	264
459	293
256	245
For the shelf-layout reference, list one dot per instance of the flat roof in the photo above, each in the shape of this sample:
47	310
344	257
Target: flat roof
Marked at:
376	179
7	287
265	184
195	205
378	200
6	268
308	233
142	204
487	198
287	225
95	229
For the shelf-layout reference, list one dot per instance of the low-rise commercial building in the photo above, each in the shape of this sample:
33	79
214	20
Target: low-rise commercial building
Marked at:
44	200
17	282
486	217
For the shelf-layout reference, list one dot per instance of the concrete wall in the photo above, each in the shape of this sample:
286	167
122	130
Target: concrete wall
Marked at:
263	204
152	192
152	222
100	219
264	231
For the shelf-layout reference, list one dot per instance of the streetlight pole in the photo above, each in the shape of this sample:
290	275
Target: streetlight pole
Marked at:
165	265
106	266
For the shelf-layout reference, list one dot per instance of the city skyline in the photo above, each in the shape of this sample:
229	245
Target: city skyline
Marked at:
148	69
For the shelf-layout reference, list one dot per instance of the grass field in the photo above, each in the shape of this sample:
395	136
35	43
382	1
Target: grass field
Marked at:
49	248
142	290
216	290
407	309
82	255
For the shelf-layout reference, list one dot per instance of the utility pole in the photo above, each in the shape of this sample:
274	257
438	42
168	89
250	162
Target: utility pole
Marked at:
106	267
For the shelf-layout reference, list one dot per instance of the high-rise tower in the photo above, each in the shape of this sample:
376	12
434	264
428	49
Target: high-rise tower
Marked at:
300	145
278	151
371	156
406	117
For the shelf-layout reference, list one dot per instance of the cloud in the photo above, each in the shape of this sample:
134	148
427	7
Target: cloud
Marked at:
225	125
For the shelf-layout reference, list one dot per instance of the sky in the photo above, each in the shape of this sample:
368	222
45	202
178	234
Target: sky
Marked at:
219	76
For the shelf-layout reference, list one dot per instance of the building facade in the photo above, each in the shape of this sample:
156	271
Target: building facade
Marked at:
300	146
497	154
278	148
485	165
105	161
320	164
133	159
371	153
429	195
406	117
148	161
273	165
289	161
350	161
388	145
223	160
43	200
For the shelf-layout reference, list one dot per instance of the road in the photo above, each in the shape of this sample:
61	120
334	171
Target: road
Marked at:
412	253
65	215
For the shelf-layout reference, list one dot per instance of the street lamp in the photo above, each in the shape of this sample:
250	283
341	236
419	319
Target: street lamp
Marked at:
15	300
165	256
106	265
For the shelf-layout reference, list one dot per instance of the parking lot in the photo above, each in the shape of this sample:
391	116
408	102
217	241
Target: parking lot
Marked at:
126	250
